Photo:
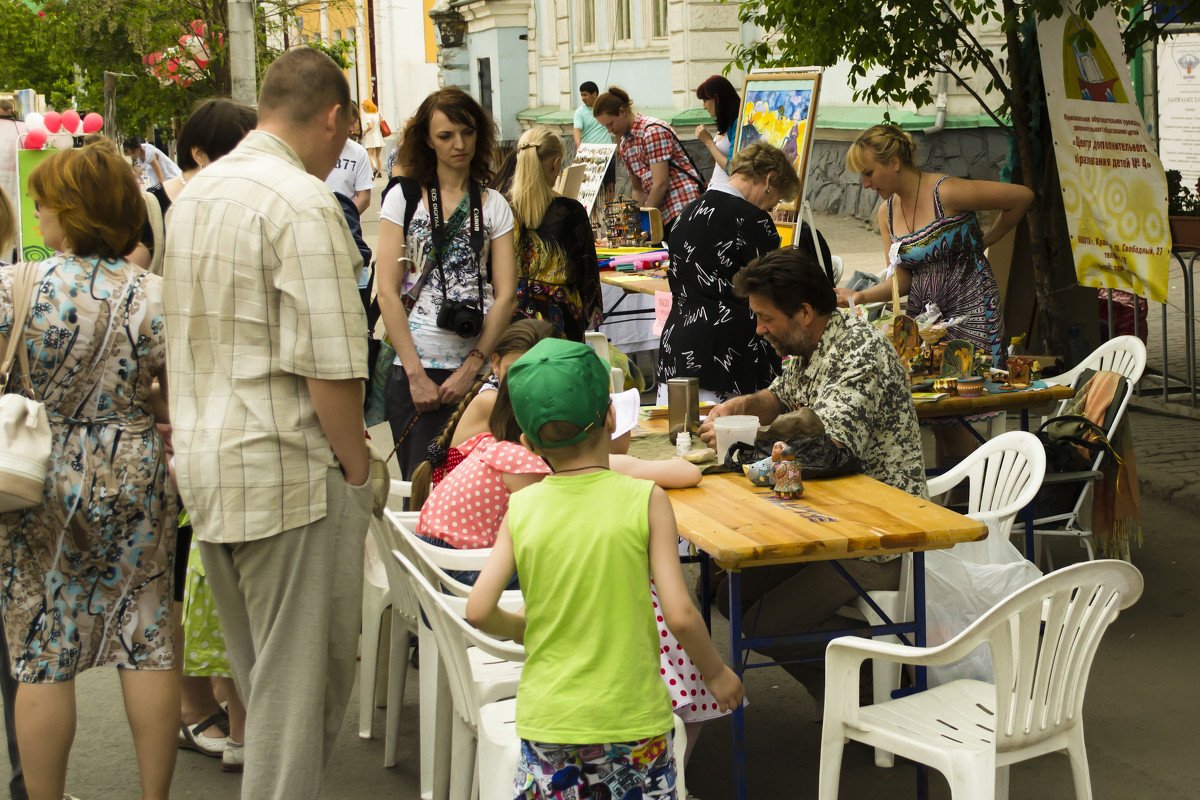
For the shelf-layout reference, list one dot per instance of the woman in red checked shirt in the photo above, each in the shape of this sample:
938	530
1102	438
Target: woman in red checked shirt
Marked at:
662	172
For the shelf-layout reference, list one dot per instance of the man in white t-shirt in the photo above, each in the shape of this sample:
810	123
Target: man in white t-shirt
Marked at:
156	166
351	177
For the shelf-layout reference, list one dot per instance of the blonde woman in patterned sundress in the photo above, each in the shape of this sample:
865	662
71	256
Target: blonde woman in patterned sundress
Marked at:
88	574
929	222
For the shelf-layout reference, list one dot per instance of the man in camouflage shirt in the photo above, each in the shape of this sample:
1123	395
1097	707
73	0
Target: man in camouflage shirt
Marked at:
848	373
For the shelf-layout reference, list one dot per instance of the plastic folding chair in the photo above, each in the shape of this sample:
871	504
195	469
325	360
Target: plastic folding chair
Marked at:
496	678
1125	355
1003	476
374	667
499	739
1043	639
485	740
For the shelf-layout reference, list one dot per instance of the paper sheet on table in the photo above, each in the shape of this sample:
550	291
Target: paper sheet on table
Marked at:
662	310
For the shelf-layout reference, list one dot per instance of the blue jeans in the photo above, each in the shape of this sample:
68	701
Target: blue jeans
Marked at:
466	576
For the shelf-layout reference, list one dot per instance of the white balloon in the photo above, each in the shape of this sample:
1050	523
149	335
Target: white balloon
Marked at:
35	121
63	141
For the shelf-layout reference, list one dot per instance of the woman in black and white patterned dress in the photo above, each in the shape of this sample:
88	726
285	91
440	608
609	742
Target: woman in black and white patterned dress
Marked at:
710	332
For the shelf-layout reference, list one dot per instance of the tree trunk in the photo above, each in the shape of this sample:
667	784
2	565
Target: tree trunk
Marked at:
1050	316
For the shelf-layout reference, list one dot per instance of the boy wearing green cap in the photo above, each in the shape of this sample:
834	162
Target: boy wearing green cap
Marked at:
591	708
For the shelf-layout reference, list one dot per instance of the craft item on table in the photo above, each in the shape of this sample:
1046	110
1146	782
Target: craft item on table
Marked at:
623	221
995	387
788	482
683	405
660	447
970	386
1021	371
683	443
959	359
638	261
658	412
761	473
595	159
947	385
701	454
906	338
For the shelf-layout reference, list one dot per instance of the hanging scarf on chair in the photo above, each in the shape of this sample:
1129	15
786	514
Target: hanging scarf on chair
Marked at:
1116	506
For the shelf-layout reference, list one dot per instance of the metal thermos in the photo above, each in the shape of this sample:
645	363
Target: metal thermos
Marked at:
683	405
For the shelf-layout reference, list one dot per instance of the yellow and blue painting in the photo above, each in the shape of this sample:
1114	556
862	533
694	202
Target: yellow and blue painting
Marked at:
776	112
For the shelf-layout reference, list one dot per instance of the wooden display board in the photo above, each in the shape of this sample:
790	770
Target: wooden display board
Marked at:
777	108
595	159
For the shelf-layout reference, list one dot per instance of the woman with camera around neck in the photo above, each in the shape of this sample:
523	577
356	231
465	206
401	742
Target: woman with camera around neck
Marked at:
446	268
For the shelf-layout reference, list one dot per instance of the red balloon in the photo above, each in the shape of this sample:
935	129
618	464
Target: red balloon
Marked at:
92	122
35	139
52	120
70	120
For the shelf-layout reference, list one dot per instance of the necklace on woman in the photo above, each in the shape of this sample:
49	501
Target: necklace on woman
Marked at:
576	469
912	226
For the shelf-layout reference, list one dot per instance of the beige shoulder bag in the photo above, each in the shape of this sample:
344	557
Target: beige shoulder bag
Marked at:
24	427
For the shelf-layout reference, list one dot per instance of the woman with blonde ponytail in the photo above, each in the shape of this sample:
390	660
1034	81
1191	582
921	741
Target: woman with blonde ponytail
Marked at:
557	276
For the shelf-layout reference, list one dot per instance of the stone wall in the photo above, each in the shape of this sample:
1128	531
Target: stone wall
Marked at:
977	153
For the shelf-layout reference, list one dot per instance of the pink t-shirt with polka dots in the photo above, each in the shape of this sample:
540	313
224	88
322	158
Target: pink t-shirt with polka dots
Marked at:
465	509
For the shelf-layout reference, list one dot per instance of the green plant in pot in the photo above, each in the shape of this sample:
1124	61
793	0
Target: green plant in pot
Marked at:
1183	208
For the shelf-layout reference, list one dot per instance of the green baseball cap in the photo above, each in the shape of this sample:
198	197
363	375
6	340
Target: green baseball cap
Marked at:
559	381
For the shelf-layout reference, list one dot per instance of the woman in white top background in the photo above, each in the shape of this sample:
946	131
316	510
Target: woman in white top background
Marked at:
444	313
722	102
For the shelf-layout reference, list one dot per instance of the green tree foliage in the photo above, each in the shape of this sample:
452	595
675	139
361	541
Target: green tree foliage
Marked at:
895	50
64	53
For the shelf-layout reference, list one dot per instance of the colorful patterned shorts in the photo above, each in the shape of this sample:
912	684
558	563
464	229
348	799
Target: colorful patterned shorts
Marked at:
623	771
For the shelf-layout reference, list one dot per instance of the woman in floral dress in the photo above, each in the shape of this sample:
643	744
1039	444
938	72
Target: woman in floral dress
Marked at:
87	575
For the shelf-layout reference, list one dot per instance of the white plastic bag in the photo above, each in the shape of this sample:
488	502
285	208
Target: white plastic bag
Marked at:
961	585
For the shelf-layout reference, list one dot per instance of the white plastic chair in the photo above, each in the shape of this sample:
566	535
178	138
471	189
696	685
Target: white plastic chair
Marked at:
497	743
496	679
1003	476
1125	355
1042	639
376	598
485	734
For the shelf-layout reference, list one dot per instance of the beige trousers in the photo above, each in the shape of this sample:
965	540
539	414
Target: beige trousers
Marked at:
290	607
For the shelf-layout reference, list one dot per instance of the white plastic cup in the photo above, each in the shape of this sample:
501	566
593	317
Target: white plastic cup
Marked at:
735	428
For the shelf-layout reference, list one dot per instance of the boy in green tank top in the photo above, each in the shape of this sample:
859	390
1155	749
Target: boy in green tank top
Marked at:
592	708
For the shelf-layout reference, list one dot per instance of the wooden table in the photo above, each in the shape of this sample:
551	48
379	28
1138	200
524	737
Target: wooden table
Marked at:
647	282
962	407
742	526
955	406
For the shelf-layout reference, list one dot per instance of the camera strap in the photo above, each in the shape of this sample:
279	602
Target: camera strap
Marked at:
438	232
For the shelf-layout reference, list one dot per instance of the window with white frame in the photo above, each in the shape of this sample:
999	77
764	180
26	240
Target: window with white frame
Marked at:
587	22
658	18
624	24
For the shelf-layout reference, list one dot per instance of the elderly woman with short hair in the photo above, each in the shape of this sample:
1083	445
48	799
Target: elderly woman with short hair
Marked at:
710	333
88	571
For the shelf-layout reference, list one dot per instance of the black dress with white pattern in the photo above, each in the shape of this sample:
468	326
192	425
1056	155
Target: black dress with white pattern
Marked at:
710	332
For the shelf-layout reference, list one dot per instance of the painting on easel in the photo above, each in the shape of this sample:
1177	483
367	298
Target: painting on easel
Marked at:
777	108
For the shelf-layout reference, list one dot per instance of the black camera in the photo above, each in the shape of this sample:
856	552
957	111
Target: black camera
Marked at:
462	317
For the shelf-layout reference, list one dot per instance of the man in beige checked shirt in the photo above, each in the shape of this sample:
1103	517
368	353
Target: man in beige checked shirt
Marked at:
266	352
